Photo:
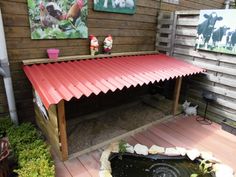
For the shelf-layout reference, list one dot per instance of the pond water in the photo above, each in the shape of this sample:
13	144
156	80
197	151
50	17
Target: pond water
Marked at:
128	165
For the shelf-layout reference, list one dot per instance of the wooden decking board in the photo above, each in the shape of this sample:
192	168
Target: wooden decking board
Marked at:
221	151
75	168
156	139
143	140
207	136
213	135
179	131
131	140
168	135
216	128
96	155
90	164
61	170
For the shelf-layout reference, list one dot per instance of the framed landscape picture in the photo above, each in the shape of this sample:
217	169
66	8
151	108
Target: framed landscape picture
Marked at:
58	19
216	31
116	6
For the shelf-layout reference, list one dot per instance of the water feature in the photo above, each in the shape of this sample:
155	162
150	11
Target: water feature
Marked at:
130	165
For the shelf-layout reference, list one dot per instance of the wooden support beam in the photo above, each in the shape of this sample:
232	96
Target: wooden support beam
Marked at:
84	57
62	130
176	95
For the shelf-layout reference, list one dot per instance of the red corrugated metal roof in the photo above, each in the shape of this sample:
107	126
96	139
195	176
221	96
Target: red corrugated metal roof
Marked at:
56	81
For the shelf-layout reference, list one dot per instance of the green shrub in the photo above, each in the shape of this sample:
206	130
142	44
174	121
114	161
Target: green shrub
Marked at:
5	124
32	153
21	136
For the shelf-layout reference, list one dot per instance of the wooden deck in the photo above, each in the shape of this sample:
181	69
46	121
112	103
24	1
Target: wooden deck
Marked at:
180	131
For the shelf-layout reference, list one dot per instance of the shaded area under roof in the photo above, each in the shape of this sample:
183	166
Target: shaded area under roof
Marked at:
64	80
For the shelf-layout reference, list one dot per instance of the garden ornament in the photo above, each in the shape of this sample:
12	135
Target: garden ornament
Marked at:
107	44
93	45
189	110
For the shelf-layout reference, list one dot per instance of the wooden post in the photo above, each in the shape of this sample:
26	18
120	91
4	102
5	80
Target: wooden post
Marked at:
62	130
176	94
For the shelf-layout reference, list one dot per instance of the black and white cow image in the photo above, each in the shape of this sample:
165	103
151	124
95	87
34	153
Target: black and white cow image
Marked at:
205	29
233	41
228	38
218	34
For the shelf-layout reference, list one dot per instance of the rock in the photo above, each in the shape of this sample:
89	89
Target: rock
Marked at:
105	154
141	149
181	150
156	150
172	152
193	154
129	148
104	173
209	156
222	170
114	147
206	155
106	165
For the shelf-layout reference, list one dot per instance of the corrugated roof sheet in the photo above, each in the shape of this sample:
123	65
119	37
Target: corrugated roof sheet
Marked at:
56	81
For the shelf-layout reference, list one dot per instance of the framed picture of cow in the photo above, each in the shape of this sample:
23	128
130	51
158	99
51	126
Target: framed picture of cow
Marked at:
115	6
216	31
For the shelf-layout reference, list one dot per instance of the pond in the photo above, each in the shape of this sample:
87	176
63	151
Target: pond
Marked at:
130	165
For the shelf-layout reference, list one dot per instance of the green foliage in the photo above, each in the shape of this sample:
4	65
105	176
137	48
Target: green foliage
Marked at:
122	146
21	136
39	165
5	124
205	167
194	175
32	153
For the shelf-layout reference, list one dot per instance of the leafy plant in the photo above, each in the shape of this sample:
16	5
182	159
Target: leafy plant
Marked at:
122	146
32	153
205	167
5	123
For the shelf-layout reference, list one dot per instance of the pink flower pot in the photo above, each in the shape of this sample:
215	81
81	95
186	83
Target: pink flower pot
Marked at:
53	53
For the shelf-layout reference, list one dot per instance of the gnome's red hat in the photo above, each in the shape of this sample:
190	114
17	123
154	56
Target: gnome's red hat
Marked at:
80	3
91	36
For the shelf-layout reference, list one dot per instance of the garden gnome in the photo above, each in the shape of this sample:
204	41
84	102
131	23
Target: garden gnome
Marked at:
107	44
93	45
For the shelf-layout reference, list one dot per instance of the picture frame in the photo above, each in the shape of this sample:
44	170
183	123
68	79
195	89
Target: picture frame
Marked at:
115	6
216	31
61	19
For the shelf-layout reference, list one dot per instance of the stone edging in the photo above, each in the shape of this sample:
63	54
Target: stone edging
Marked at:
220	169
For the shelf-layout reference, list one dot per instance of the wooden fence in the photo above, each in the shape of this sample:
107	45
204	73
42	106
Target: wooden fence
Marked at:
220	77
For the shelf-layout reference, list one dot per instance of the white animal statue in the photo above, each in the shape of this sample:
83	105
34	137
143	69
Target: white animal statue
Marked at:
118	3
125	3
129	4
105	5
189	110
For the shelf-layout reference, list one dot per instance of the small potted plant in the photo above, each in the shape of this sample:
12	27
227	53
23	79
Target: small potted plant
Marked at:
53	53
